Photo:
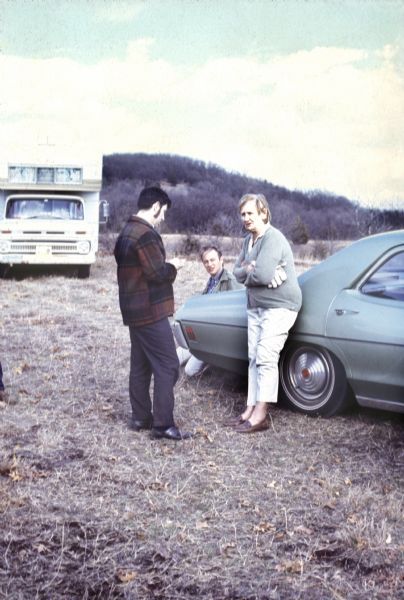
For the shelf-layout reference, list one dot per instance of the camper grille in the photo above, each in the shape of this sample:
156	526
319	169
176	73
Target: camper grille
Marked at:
23	248
33	248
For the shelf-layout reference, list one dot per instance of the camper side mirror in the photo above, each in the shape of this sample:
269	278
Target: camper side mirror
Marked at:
104	211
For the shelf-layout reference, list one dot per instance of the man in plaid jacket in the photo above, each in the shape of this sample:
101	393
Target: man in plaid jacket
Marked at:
146	300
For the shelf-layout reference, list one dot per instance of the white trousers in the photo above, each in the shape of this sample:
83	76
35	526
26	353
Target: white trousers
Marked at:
193	365
268	330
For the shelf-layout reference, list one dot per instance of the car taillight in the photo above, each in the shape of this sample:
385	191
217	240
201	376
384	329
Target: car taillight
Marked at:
190	333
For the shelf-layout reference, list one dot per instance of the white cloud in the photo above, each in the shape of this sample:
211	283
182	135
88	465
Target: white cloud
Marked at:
327	119
118	12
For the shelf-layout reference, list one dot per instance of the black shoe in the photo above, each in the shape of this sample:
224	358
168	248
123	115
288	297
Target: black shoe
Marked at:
138	425
171	433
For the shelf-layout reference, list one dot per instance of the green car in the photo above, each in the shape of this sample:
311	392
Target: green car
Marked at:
348	340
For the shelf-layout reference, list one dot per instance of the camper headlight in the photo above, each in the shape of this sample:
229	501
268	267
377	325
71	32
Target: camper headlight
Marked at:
83	247
5	246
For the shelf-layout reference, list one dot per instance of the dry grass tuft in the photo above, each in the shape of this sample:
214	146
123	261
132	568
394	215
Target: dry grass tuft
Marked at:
311	509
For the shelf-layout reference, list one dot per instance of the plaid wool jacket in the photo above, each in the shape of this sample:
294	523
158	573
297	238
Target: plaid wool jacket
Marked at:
144	277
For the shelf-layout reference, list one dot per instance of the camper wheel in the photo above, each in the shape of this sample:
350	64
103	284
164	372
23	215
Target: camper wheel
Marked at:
83	271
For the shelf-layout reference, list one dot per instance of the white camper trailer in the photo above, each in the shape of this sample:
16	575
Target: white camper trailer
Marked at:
49	208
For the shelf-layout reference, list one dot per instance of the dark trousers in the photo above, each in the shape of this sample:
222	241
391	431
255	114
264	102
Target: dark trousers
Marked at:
1	378
153	353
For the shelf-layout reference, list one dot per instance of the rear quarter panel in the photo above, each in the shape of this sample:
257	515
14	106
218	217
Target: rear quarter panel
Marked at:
215	327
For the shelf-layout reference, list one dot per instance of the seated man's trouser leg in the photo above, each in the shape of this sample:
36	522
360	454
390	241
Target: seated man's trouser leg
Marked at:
1	379
153	353
193	365
183	355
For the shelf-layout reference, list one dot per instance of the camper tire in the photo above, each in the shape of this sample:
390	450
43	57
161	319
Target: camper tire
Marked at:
4	269
83	272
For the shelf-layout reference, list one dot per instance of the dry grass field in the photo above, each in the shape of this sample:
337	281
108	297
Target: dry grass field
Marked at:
311	509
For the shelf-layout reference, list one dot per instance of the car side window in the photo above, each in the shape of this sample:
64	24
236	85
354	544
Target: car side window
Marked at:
388	280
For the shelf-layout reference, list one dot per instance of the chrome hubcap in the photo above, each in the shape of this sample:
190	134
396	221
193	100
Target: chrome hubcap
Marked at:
310	375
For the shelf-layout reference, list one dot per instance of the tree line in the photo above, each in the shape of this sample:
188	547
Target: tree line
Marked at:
205	199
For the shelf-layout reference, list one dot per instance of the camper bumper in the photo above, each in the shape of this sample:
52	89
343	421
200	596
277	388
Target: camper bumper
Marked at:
46	259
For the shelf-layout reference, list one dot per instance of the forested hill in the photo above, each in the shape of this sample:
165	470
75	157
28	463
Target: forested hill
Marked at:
205	199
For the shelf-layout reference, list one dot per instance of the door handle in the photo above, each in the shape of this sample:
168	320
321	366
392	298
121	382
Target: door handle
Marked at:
345	311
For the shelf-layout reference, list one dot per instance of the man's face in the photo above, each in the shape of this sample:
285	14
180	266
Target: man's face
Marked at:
253	220
212	263
160	214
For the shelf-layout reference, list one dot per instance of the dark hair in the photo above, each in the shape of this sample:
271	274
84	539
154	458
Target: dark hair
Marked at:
149	195
208	249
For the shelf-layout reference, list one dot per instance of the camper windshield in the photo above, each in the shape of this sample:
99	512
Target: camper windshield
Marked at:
44	208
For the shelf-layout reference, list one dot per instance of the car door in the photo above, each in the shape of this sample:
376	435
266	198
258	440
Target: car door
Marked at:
367	323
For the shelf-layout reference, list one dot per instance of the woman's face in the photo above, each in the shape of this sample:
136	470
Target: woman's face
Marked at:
253	220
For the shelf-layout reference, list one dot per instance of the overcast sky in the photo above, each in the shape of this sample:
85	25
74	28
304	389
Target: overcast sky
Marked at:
308	94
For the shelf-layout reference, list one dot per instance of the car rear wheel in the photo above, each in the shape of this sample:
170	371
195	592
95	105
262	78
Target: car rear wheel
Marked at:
313	381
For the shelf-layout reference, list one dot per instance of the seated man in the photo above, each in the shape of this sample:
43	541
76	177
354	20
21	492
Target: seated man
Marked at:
220	280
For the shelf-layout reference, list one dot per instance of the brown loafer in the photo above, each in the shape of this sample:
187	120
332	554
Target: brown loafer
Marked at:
233	421
246	427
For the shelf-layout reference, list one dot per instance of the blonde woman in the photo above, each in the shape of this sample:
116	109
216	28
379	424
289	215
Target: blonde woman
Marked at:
272	309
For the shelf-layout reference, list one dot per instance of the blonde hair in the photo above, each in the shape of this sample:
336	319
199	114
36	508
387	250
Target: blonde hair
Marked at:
261	204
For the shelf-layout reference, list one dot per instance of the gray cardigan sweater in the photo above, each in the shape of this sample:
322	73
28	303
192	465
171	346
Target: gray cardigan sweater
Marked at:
269	251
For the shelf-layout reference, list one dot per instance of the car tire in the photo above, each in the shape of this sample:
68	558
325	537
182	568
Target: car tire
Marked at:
313	381
83	272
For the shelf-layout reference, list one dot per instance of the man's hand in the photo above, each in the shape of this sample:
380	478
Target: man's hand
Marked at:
279	277
177	262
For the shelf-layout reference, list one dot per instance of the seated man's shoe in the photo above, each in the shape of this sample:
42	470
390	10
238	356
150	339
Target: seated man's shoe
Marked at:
139	425
171	433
